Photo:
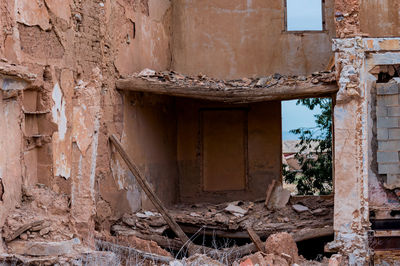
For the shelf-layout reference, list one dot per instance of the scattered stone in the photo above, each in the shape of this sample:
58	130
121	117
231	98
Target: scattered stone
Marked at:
23	236
282	243
300	208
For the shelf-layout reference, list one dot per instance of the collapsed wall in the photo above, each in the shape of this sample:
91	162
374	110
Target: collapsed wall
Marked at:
361	194
55	123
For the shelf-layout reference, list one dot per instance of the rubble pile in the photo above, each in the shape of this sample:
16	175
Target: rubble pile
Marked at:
43	216
39	232
172	77
280	249
230	220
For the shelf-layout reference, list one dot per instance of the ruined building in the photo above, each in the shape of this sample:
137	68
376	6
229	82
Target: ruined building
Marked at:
193	91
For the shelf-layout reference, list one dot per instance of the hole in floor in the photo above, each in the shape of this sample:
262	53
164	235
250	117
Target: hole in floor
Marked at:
313	249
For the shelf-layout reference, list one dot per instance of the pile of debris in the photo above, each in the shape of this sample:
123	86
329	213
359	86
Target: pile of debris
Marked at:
39	232
43	215
325	77
245	90
279	249
304	218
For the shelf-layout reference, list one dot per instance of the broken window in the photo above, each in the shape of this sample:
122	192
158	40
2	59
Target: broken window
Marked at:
304	15
307	146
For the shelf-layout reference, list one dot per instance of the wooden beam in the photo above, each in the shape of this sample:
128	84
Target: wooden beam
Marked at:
150	193
311	233
302	89
269	192
256	239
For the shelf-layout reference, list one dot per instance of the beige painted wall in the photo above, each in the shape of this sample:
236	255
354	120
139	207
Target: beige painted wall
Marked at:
238	38
264	151
149	137
380	18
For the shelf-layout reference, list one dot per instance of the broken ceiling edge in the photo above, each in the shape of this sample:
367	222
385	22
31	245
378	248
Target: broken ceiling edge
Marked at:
20	72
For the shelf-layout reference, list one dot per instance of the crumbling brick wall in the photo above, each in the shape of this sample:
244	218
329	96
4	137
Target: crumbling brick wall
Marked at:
77	49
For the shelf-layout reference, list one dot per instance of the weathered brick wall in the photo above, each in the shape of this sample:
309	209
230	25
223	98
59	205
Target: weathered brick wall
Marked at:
388	126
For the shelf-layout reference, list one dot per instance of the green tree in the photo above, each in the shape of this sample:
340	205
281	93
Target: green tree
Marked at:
315	177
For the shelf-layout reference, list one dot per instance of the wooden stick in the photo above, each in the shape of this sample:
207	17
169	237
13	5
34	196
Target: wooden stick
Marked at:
256	239
22	229
331	63
150	193
269	192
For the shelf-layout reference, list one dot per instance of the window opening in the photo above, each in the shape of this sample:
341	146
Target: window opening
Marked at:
307	146
304	15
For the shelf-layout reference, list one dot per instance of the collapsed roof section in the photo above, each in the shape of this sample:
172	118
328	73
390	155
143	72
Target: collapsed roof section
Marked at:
245	90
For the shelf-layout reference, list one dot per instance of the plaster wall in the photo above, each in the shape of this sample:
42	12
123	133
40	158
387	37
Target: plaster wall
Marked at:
10	156
358	188
380	18
237	38
264	150
149	137
77	49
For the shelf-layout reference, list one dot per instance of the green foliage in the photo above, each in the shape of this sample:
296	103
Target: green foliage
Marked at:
315	177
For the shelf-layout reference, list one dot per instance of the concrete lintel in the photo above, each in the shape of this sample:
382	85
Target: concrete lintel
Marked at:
367	44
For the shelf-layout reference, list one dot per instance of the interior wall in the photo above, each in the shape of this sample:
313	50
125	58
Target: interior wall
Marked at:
238	38
380	18
141	33
149	137
10	155
264	151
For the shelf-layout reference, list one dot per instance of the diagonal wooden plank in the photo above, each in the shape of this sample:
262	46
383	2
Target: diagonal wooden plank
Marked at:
150	193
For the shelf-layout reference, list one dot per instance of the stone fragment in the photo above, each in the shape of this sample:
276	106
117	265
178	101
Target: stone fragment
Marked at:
44	231
300	208
147	72
263	81
253	259
32	248
335	260
235	210
271	259
282	243
320	212
279	198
